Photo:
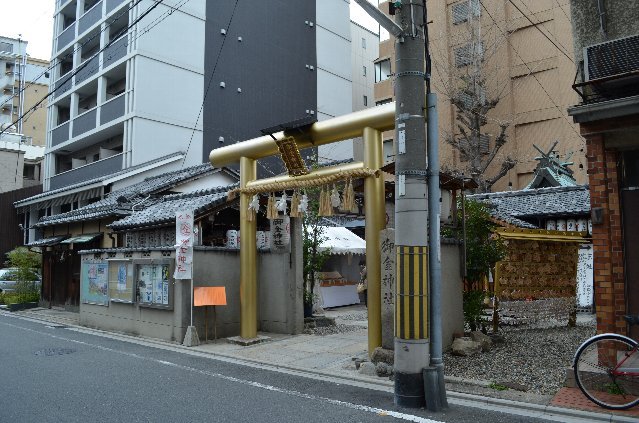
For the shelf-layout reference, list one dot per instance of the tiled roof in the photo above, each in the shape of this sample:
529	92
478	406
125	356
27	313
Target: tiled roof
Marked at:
515	207
163	211
119	202
72	187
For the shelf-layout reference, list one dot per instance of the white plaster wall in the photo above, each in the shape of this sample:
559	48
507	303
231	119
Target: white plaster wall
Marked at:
152	139
178	39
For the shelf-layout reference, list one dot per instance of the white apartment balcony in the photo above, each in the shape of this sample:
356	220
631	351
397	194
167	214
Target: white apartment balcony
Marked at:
97	119
96	169
92	67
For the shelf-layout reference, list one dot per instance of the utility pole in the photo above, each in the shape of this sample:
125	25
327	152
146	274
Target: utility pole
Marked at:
416	382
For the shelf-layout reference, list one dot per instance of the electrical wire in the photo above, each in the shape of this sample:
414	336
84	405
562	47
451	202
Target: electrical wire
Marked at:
208	85
538	29
53	63
85	64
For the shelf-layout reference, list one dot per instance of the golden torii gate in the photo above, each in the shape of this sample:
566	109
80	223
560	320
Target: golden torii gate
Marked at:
369	124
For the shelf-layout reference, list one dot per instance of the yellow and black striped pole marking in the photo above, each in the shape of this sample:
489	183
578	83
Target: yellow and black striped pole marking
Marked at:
411	306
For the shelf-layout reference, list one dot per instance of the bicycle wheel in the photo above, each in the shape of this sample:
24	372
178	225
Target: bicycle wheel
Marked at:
603	375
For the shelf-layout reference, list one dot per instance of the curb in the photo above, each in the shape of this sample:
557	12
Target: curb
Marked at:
548	412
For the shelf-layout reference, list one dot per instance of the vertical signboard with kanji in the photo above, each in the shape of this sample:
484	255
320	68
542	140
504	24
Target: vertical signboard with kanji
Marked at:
184	244
281	235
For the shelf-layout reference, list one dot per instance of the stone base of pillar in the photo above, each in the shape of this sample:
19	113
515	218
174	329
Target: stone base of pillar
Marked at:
191	339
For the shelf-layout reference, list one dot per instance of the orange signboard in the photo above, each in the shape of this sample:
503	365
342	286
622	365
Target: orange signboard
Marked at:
209	295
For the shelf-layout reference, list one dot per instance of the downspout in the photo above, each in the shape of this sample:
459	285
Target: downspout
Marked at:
110	234
602	18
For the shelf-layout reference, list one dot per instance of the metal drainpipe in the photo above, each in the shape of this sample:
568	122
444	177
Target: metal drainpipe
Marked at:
602	18
434	252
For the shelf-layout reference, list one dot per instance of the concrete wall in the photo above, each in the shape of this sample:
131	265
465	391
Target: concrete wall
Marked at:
621	20
452	289
11	168
279	299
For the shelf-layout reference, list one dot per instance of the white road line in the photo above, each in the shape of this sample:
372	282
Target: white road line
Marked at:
360	407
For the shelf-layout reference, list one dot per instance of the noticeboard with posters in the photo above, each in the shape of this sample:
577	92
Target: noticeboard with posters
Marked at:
154	283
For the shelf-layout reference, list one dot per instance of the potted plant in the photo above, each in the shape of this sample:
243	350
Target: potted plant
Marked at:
25	265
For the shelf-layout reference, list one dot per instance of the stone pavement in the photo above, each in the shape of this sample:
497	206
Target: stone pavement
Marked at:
332	355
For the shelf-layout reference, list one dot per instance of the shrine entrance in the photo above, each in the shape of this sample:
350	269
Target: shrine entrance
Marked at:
369	124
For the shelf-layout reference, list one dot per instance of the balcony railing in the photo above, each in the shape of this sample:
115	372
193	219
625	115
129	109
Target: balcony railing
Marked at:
84	173
85	122
60	134
90	17
607	88
91	68
115	52
112	4
66	37
62	85
112	109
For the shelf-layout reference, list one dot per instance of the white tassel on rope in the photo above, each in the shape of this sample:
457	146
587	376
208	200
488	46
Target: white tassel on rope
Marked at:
303	207
281	204
336	201
253	208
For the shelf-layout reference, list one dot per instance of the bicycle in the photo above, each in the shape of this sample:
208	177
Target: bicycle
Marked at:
606	369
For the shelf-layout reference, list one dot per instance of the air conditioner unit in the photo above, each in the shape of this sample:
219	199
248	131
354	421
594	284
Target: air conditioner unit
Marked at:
611	58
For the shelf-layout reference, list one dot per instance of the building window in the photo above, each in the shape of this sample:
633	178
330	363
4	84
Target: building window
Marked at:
365	100
363	70
465	54
462	11
382	70
6	47
364	43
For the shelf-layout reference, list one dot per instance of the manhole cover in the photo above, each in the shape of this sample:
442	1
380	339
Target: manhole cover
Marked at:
49	352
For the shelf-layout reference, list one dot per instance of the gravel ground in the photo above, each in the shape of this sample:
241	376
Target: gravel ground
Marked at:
533	358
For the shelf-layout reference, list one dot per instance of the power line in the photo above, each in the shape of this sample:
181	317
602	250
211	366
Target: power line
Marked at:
531	73
208	85
53	64
536	26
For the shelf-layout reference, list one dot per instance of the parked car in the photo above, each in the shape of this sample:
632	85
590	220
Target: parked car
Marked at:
8	282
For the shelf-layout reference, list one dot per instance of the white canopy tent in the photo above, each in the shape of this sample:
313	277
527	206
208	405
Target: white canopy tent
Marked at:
341	241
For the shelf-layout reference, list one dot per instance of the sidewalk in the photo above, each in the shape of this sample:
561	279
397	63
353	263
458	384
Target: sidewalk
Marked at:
333	356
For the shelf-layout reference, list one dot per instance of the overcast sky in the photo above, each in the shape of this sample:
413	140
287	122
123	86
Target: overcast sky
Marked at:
33	21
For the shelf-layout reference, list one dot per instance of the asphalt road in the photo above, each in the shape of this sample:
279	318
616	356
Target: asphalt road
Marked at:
58	374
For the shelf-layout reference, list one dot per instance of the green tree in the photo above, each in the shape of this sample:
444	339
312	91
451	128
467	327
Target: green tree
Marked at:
313	236
26	266
483	249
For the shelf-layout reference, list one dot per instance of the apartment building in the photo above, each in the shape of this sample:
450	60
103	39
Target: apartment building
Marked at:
142	87
24	80
523	51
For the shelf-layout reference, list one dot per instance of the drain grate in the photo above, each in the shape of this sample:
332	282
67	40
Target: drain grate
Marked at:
50	352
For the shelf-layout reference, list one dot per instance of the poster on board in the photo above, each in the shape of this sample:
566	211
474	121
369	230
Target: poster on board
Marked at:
94	283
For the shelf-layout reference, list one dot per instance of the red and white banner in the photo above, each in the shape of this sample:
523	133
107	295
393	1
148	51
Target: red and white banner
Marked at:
184	245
